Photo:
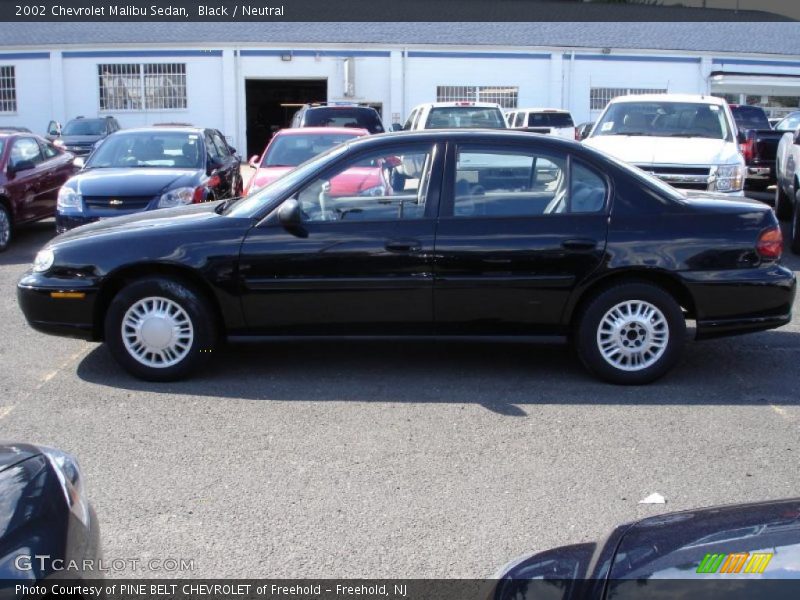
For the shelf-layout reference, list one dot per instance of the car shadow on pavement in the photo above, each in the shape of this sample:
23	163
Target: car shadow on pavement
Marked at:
26	242
508	379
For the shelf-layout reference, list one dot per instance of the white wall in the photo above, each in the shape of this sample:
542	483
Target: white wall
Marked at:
33	94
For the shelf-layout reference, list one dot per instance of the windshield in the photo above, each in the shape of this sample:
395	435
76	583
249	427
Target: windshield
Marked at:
789	123
361	117
550	119
255	202
664	119
85	127
164	149
292	150
460	117
750	117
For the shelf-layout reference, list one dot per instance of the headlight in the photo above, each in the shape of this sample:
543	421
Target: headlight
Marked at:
43	261
69	200
729	178
69	475
378	190
176	197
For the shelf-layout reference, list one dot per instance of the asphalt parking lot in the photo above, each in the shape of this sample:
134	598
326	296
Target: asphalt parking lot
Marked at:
394	460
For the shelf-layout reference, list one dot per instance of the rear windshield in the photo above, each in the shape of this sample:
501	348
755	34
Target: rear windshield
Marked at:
85	127
750	117
550	119
460	117
353	116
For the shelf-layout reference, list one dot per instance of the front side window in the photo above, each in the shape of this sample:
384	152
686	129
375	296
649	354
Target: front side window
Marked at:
25	150
370	189
522	183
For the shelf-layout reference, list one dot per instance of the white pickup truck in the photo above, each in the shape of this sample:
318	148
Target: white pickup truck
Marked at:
787	188
688	141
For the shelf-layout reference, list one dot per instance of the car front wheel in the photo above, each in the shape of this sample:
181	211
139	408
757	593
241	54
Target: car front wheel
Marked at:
794	242
631	333
5	228
783	205
160	329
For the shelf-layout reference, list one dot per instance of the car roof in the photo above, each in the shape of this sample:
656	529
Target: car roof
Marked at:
670	98
356	131
542	110
455	135
461	103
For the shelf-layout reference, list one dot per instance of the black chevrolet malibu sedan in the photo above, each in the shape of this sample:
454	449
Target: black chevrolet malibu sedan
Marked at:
740	552
150	168
493	235
48	529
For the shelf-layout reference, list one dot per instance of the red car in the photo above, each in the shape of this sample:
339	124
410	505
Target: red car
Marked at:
291	147
31	172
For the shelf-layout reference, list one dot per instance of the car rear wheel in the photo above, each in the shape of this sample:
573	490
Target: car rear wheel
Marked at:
631	333
783	205
160	329
5	228
794	242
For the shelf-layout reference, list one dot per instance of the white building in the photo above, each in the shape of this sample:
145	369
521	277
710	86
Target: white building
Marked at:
247	78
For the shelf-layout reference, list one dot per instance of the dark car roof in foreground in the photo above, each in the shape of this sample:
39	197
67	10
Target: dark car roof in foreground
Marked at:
512	135
11	454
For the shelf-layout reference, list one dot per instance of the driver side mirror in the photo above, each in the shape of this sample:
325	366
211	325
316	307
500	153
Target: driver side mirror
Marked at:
290	216
741	137
253	162
212	165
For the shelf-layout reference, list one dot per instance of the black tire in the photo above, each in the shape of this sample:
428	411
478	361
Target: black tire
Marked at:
794	240
671	320
783	204
195	309
6	228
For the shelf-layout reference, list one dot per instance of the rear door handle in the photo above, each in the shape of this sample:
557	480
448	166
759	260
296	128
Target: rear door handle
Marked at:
579	244
403	246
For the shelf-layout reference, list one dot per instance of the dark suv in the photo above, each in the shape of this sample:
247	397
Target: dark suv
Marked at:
322	114
81	134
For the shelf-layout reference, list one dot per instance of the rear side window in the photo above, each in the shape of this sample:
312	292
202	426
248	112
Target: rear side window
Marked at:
520	120
587	189
550	119
358	117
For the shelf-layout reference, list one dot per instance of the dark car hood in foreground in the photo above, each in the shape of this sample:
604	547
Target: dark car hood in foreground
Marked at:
132	182
11	454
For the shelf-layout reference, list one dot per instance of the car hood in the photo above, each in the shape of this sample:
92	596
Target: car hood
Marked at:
80	139
132	182
647	150
161	219
11	454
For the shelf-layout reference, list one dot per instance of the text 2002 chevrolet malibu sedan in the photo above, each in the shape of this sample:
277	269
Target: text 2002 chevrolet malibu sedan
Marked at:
502	235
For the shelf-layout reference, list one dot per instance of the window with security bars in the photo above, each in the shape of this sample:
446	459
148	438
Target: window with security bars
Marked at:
8	90
600	97
142	86
504	95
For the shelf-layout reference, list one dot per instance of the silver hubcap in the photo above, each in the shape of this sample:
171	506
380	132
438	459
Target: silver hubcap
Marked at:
5	228
633	335
157	332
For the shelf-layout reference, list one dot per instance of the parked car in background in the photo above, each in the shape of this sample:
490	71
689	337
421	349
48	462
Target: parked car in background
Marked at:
322	114
583	130
455	115
550	121
737	551
31	172
787	188
789	123
758	143
149	168
551	239
48	529
291	147
688	141
80	135
15	130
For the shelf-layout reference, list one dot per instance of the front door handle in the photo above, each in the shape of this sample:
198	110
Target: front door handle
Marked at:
403	246
579	244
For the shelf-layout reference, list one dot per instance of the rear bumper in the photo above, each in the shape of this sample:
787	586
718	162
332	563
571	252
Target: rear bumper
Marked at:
741	300
761	172
54	315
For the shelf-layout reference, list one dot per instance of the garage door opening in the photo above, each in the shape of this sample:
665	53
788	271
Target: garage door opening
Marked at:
270	104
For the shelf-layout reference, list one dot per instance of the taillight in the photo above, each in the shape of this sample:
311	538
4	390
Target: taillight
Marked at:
747	149
770	243
199	195
577	134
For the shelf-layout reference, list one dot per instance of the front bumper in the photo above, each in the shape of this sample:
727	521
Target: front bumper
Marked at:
59	307
67	222
741	300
